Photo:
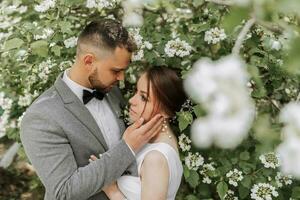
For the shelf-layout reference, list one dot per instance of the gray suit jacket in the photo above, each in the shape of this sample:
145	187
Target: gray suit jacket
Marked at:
59	134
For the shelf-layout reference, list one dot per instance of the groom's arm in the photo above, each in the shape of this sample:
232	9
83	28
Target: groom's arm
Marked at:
50	152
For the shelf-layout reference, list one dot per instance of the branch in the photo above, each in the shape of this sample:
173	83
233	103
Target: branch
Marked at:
242	35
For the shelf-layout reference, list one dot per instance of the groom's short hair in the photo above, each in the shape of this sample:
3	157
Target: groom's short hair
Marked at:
106	35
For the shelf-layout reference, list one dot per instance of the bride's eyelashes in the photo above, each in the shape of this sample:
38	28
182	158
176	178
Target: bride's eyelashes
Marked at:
143	98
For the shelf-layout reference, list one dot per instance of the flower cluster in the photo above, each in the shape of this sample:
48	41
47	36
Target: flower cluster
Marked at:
100	4
44	69
206	171
269	160
7	20
184	142
214	35
221	88
230	195
5	107
282	180
289	149
46	33
263	191
234	177
27	98
141	44
193	161
45	5
133	11
70	42
178	48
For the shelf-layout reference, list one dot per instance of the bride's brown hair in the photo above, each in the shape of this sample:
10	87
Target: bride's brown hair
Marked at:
167	89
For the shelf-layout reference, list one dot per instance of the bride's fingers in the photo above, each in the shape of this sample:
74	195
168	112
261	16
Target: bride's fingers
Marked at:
93	158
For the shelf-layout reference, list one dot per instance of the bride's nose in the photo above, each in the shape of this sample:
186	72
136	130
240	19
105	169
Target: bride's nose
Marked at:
131	100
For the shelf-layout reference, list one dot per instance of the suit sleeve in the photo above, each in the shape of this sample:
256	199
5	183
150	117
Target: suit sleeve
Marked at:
48	148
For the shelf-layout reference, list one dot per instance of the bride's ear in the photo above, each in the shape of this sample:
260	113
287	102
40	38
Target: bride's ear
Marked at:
164	114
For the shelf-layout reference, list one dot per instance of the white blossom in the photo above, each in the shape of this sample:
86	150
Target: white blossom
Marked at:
207	168
290	116
230	195
234	177
282	180
206	180
135	33
178	48
269	160
20	120
46	33
101	4
133	13
193	161
214	35
25	100
70	42
275	44
148	45
133	19
263	191
139	55
289	155
221	87
5	105
184	142
45	5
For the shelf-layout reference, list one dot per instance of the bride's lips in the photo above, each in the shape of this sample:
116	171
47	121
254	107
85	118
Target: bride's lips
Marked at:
132	111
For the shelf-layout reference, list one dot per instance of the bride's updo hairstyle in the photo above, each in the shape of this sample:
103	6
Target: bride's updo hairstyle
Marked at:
167	89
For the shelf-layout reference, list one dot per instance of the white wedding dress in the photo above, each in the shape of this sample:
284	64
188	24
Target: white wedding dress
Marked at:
130	186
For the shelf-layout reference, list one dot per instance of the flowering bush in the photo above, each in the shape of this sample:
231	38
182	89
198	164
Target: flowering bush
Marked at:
239	60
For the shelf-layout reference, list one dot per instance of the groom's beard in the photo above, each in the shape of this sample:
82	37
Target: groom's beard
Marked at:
97	84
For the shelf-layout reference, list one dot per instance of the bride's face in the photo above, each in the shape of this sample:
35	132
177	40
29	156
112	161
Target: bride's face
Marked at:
142	104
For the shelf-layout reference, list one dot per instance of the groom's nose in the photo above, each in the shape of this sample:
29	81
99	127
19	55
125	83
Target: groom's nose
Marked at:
121	76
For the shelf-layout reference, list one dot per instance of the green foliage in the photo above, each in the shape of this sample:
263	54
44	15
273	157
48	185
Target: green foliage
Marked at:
274	73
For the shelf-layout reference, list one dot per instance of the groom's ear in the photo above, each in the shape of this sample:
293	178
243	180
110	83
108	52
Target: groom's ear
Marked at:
88	61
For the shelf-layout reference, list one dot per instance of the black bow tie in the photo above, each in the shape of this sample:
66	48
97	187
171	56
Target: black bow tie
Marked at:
87	95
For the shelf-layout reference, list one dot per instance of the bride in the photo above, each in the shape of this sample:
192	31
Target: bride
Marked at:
159	91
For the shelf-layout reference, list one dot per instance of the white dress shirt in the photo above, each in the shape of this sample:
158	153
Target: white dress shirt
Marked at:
100	110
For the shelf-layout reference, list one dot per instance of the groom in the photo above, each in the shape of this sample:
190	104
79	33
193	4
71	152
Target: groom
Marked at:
79	116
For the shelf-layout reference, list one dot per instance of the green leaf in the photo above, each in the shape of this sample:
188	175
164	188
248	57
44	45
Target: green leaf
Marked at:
56	50
293	60
245	155
40	48
243	192
222	188
246	182
296	193
247	167
13	44
65	27
191	197
197	3
186	172
185	118
198	111
235	17
193	179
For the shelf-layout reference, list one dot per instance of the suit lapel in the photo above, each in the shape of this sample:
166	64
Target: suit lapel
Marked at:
77	108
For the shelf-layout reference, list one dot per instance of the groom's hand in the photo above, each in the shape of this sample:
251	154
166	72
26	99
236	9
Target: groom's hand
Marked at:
138	134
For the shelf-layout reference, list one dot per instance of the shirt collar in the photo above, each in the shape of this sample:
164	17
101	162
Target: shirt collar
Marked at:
76	88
